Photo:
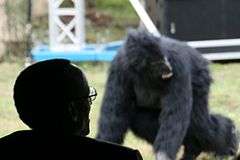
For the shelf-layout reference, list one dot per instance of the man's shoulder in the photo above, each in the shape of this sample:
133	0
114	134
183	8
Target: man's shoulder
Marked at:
101	143
11	138
69	145
111	150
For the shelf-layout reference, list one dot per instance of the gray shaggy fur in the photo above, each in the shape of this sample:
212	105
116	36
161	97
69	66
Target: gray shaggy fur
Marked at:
165	112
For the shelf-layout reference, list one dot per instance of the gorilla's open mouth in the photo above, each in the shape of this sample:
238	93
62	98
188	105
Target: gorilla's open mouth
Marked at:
167	75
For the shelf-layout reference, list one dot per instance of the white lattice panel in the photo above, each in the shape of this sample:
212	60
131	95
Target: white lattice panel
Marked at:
66	24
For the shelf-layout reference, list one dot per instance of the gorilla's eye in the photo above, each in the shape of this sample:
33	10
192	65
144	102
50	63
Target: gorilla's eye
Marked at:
156	63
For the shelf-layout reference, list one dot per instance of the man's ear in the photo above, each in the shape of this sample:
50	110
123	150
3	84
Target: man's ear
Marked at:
73	112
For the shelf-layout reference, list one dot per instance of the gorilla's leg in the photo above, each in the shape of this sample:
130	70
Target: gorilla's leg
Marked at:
200	127
200	131
192	149
191	152
208	133
225	142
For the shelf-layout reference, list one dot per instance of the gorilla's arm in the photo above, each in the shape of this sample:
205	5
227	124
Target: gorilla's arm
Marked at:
175	116
116	108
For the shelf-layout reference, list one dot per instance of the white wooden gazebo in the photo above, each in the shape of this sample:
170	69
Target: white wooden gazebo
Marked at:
66	25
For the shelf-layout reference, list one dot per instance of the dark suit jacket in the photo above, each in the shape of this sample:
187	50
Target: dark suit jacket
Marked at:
32	145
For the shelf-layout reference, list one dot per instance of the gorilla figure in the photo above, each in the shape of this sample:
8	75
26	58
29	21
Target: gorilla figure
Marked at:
158	88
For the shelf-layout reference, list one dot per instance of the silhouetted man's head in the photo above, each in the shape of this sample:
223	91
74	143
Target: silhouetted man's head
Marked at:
53	96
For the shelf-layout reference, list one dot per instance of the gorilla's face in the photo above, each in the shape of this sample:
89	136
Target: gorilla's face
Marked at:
145	57
160	69
152	66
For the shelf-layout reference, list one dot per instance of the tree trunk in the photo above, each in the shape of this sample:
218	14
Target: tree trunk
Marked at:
155	10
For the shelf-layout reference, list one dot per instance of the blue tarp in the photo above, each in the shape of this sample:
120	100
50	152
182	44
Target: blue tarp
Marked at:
91	52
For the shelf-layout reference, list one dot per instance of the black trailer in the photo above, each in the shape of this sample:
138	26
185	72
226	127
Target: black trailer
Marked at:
212	26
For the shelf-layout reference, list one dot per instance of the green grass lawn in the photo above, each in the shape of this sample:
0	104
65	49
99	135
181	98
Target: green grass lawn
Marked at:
122	16
224	98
